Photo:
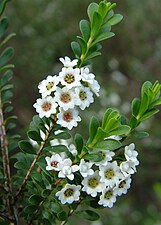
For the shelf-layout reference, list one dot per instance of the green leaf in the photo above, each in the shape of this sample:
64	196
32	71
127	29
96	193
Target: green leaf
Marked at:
96	23
20	165
93	157
85	29
34	135
3	5
8	109
83	44
103	36
6	77
155	103
76	49
62	216
115	19
3	26
149	114
7	39
94	124
120	130
109	144
78	139
135	106
110	113
93	7
6	95
45	193
30	209
7	87
139	135
63	135
27	147
88	215
6	56
57	148
133	122
93	55
35	199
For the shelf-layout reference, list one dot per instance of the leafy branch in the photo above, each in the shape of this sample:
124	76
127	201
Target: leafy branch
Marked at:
97	29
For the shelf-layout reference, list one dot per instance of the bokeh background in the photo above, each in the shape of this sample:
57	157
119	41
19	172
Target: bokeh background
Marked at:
44	31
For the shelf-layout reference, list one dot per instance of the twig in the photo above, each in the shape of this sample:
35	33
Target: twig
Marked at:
33	164
6	165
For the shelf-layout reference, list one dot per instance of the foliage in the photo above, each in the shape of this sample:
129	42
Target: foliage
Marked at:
35	201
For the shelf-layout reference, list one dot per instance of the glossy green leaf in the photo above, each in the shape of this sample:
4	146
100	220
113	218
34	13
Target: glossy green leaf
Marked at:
7	39
76	49
135	106
115	19
7	87
3	5
6	55
109	144
35	199
120	130
7	76
139	135
62	216
3	26
85	29
93	55
92	8
27	147
88	215
93	157
34	135
78	139
83	44
149	114
57	148
94	124
103	36
63	135
96	23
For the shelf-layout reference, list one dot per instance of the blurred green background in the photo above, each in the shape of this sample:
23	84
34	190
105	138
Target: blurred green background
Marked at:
44	31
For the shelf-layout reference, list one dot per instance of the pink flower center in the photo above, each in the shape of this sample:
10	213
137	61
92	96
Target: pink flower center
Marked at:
68	116
54	164
65	98
46	106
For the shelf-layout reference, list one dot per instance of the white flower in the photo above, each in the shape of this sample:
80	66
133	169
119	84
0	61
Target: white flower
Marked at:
69	193
95	87
87	76
72	149
67	169
110	174
123	186
92	185
65	98
67	62
54	162
85	168
84	97
106	157
47	86
128	167
131	154
70	77
107	198
68	118
45	106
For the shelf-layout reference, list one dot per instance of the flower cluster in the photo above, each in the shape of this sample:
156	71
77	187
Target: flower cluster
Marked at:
105	179
62	94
